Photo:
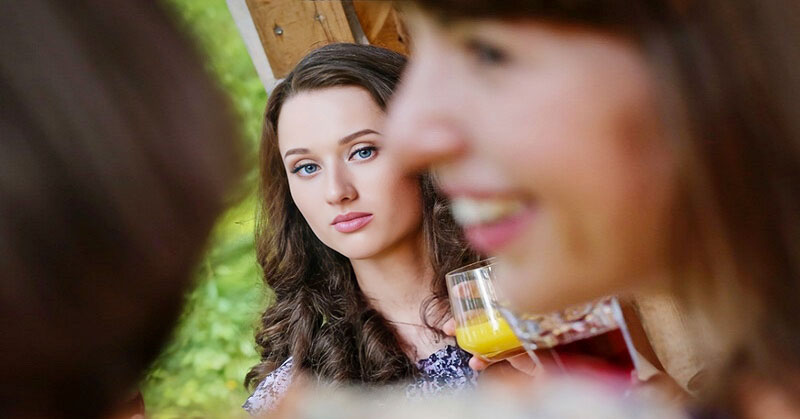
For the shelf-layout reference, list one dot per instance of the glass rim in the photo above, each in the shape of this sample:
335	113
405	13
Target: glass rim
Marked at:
472	266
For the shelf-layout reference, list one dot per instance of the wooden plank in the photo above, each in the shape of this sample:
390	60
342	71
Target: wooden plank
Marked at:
290	29
381	24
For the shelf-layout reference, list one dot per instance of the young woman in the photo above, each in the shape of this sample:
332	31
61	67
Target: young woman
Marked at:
354	249
632	146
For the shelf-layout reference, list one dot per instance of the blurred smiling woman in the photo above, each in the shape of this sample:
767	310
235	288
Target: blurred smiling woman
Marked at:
632	146
354	249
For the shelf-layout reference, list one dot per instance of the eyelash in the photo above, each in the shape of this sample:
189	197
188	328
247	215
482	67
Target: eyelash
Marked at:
486	53
373	149
298	168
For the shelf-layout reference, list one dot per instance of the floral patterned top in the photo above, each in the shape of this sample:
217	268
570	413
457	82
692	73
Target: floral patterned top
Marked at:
446	371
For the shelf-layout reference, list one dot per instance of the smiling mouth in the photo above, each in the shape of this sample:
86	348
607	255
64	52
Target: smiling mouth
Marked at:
352	221
491	223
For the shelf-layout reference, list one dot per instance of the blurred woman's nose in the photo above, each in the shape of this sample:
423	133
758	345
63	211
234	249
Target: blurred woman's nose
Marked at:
422	124
339	188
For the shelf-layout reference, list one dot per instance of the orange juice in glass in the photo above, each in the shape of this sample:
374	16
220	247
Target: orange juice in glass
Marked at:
480	327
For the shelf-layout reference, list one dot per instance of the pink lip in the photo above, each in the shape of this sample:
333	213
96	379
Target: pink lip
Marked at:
490	238
352	221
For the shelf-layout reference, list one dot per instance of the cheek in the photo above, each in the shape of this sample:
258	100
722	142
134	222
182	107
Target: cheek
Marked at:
309	200
398	196
526	127
384	183
410	201
406	198
592	155
407	192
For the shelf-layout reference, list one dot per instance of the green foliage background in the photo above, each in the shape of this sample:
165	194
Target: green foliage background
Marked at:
200	372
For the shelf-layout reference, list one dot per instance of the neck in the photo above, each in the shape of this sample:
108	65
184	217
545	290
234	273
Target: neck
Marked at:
396	281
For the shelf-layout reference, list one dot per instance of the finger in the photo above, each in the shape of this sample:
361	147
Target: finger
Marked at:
449	328
523	363
478	364
660	386
467	289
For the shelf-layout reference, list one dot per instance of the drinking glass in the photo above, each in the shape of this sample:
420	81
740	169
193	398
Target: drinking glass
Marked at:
590	335
480	327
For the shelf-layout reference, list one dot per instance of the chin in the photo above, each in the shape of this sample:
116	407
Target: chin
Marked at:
357	252
359	255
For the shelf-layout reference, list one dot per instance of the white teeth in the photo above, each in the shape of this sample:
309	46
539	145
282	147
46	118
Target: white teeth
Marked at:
470	211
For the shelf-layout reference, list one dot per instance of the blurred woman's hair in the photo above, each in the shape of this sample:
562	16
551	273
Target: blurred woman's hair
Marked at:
729	80
318	315
117	154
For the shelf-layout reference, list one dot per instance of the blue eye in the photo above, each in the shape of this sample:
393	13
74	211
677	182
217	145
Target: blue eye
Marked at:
306	169
363	153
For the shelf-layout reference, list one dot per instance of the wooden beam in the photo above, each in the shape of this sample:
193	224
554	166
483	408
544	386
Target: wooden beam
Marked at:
381	24
290	29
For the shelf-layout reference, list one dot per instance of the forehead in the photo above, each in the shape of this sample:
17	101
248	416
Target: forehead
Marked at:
317	119
523	36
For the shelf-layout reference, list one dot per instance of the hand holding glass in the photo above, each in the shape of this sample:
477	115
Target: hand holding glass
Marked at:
592	334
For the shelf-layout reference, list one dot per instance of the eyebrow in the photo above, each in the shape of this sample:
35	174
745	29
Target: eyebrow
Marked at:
295	151
344	140
353	136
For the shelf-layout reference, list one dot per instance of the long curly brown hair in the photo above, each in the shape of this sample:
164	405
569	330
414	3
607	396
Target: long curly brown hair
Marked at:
319	315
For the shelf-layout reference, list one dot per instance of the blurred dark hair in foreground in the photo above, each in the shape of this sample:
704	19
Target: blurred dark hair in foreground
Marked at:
117	154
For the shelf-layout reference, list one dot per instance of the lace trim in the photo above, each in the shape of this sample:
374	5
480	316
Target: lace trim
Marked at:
270	390
444	371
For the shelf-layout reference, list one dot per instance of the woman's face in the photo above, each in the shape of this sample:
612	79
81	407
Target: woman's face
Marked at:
547	140
350	192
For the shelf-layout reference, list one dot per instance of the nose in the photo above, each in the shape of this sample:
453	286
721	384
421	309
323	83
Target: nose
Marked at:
422	127
339	188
